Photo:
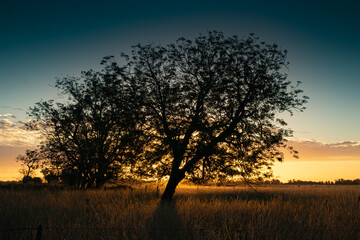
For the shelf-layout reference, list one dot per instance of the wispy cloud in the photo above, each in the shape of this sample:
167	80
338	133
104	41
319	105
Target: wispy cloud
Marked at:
346	144
15	134
13	108
313	150
6	124
7	115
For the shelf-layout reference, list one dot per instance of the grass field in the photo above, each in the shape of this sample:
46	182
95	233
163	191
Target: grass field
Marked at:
280	212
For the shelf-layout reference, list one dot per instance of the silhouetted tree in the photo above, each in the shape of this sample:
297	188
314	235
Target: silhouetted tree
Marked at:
86	136
211	105
30	162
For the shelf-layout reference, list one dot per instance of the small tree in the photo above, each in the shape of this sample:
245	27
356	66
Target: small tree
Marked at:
30	162
211	105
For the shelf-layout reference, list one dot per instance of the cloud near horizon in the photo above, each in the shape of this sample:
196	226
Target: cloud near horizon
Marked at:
313	150
15	134
7	115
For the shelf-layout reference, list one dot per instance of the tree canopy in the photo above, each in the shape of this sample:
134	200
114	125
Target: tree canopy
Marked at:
200	109
212	103
87	136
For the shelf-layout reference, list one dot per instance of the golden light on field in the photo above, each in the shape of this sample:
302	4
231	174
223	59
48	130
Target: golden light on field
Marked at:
291	212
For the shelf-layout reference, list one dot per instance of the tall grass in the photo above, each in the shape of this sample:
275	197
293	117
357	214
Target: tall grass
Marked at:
283	212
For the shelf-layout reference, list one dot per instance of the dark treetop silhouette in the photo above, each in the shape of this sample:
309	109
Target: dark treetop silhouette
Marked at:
86	138
211	104
200	109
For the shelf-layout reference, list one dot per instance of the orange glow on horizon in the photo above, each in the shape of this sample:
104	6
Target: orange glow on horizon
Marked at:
318	162
317	171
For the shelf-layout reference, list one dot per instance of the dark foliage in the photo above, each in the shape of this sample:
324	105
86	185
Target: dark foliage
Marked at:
202	109
210	106
87	136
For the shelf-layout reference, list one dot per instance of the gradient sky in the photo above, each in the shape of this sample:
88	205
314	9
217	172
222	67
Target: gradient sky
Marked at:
42	40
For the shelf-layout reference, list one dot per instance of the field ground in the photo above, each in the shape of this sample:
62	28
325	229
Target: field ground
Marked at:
276	212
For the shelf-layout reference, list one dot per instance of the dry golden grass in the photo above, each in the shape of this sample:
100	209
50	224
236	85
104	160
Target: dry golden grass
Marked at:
283	212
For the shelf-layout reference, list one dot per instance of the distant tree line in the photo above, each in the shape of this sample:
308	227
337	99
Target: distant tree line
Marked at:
302	182
196	110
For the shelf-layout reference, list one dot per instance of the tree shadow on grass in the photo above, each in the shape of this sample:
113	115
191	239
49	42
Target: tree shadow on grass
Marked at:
166	223
231	196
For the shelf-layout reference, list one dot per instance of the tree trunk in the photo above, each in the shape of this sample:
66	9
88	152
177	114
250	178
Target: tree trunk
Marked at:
171	186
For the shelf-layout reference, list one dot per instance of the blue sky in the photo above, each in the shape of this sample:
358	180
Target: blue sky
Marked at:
42	40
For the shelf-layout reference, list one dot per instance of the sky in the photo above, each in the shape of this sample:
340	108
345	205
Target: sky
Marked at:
43	40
